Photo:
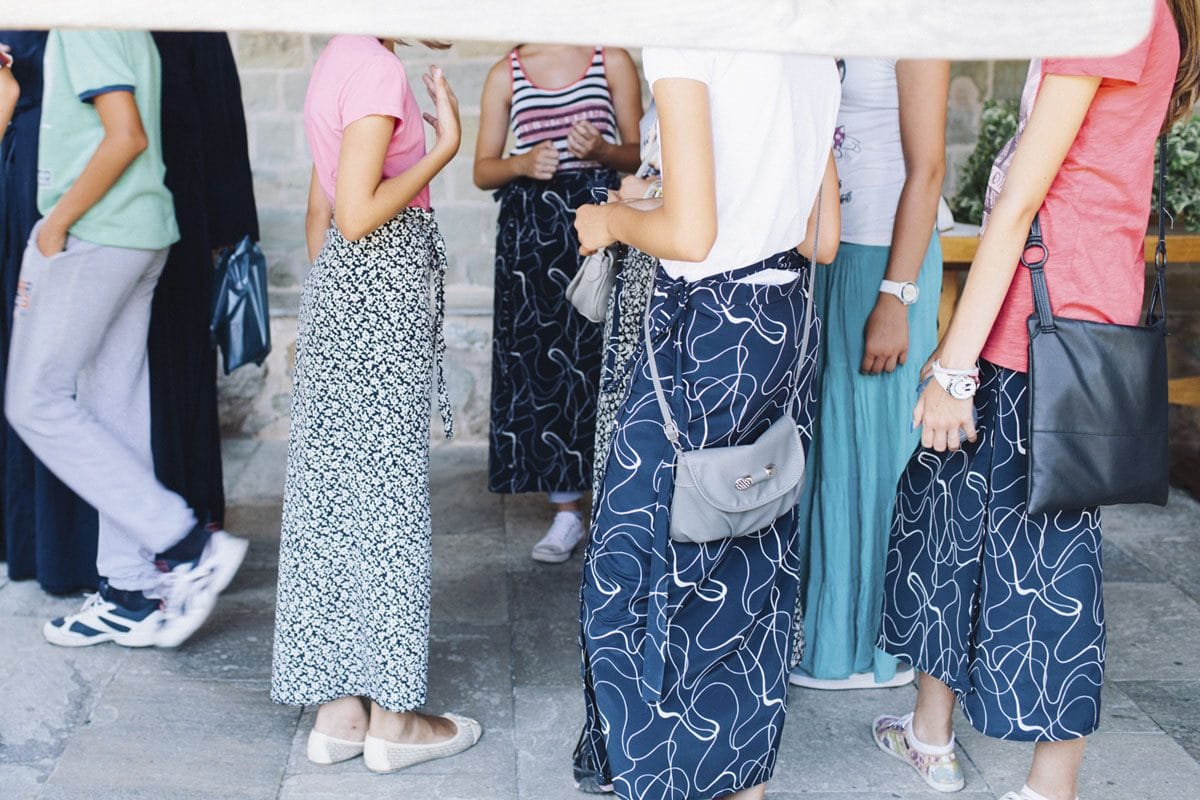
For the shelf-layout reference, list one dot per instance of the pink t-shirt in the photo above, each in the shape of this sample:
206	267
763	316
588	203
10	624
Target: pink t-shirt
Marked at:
355	77
1095	214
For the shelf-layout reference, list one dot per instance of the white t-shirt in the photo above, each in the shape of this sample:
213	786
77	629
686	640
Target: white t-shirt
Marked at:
772	123
866	145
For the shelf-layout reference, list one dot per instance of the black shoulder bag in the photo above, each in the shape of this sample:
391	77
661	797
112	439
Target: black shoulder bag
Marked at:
1097	396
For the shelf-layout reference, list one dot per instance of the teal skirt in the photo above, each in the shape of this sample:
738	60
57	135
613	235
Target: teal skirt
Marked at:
863	441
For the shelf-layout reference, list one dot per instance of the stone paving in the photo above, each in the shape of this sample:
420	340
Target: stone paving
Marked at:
105	723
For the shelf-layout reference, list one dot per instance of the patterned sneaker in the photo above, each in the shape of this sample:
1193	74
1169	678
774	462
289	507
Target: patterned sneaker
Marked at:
565	534
127	618
937	766
191	588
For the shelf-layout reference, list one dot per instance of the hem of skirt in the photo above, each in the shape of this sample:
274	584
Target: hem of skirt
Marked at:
322	699
536	489
763	777
960	696
1026	736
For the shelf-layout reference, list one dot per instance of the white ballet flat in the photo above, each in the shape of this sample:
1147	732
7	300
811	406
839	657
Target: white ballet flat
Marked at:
327	750
380	755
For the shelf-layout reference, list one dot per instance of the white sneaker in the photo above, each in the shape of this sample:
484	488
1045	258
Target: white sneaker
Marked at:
102	620
859	680
565	534
190	589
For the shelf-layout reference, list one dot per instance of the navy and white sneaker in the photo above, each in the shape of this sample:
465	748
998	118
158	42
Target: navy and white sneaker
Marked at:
190	588
127	618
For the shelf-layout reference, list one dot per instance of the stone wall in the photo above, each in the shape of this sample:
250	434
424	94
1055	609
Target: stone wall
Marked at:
274	70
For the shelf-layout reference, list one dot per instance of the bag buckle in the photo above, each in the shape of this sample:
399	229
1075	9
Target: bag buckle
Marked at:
746	481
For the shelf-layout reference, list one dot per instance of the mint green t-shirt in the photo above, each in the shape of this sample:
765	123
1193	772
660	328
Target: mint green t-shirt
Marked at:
80	65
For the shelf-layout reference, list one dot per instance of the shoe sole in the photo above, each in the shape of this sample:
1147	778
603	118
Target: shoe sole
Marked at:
416	756
238	547
551	559
937	787
55	636
864	680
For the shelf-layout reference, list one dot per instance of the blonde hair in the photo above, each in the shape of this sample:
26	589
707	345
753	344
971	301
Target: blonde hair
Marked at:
1187	79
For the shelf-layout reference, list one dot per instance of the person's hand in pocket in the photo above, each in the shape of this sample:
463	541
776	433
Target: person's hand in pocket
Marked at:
51	238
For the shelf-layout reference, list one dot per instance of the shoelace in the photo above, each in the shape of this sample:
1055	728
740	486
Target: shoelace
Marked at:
90	601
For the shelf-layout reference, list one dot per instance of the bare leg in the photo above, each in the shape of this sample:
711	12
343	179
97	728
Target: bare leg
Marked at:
1054	773
575	506
344	718
753	793
933	717
409	727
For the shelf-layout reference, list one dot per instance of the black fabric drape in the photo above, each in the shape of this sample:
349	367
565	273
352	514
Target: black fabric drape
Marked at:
208	173
47	532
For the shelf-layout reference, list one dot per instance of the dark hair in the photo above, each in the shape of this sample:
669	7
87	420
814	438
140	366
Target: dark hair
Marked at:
432	44
1187	79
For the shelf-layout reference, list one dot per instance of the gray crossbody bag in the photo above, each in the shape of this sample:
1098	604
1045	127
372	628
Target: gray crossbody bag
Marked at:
721	492
592	285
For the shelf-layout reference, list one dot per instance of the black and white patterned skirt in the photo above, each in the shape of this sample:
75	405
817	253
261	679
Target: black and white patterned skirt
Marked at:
354	559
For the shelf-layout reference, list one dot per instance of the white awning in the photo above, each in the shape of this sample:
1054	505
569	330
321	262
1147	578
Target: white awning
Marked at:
966	29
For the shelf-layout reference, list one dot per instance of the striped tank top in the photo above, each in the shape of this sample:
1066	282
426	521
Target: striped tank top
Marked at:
540	114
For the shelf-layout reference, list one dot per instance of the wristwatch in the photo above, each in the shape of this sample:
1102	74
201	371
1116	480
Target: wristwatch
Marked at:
961	384
907	292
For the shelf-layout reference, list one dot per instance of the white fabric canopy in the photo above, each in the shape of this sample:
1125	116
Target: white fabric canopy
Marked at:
969	29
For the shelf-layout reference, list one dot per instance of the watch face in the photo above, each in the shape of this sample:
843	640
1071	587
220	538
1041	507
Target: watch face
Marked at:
962	388
908	293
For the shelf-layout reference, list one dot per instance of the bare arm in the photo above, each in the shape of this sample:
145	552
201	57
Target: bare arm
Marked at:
124	140
10	93
923	87
1058	112
317	217
584	140
831	218
362	201
684	226
492	170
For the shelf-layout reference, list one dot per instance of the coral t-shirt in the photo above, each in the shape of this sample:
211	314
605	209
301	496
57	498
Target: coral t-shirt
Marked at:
356	77
1095	214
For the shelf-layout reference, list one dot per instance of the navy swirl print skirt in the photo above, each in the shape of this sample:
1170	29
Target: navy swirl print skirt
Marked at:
1002	606
545	354
686	647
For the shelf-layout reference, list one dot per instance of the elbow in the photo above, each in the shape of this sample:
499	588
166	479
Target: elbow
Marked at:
351	226
696	246
826	252
929	174
135	142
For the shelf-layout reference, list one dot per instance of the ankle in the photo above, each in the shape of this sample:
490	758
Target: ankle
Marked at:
342	720
394	726
931	739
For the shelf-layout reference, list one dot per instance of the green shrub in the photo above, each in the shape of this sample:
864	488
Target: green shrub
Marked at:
1183	174
997	124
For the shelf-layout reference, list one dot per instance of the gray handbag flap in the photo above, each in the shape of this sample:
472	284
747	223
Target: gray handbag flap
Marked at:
746	476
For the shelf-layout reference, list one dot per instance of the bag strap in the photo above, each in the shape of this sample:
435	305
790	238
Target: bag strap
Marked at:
1037	275
670	429
1157	310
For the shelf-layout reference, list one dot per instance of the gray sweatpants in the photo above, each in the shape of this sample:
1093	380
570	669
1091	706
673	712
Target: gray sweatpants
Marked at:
78	393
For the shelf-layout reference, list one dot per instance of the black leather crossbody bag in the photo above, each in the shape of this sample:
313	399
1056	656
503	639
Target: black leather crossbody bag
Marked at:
1097	396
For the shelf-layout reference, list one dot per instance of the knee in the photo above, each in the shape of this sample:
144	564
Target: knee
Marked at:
28	408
